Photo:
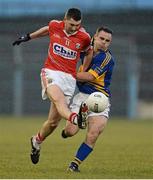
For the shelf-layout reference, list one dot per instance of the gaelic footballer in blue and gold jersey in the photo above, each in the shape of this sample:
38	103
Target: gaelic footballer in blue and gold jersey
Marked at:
92	77
99	72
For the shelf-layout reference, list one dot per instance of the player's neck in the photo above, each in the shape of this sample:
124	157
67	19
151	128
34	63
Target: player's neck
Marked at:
96	50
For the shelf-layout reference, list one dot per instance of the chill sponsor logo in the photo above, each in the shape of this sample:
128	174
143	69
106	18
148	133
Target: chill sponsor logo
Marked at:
64	51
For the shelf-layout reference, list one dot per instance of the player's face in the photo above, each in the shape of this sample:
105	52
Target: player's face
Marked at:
71	26
102	40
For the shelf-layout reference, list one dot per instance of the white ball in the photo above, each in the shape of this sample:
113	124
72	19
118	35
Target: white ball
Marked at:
97	102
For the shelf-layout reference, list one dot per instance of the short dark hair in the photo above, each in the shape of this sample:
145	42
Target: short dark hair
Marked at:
104	28
73	13
101	28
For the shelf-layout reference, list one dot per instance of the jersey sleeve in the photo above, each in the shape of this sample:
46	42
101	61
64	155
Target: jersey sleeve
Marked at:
53	25
99	68
87	46
87	42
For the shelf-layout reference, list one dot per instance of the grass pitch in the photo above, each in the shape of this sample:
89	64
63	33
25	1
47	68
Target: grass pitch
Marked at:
125	150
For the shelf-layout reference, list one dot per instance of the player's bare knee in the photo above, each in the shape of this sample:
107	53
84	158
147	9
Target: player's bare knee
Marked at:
55	94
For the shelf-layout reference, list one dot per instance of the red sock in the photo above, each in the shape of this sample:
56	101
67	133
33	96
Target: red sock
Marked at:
39	138
72	117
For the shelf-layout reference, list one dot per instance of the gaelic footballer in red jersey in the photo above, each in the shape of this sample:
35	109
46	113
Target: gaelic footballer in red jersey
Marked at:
67	40
65	45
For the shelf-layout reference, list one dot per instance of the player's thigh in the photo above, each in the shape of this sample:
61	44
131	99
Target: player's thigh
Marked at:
57	96
55	93
96	124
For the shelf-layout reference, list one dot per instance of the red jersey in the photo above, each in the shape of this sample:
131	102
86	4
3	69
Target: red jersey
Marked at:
64	49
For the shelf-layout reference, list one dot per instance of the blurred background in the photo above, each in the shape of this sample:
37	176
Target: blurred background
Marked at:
132	24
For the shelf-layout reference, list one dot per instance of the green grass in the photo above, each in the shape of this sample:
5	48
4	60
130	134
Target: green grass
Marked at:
125	150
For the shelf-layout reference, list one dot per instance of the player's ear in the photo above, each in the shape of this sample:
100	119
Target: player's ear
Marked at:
95	36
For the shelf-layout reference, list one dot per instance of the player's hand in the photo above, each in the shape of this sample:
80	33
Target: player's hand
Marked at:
21	39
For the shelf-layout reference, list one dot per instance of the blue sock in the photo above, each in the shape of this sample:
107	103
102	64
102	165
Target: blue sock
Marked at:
83	151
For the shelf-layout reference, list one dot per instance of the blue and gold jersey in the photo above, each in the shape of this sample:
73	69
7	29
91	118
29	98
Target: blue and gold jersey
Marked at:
101	68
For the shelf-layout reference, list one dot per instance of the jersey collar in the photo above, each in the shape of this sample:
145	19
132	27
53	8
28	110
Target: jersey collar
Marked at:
68	35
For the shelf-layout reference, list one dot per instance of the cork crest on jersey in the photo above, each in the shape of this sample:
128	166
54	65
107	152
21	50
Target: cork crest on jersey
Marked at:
64	52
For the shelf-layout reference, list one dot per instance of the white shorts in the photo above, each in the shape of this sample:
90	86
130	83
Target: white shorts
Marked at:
81	97
65	81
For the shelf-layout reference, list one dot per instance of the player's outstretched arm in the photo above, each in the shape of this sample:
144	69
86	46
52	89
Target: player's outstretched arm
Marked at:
39	33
